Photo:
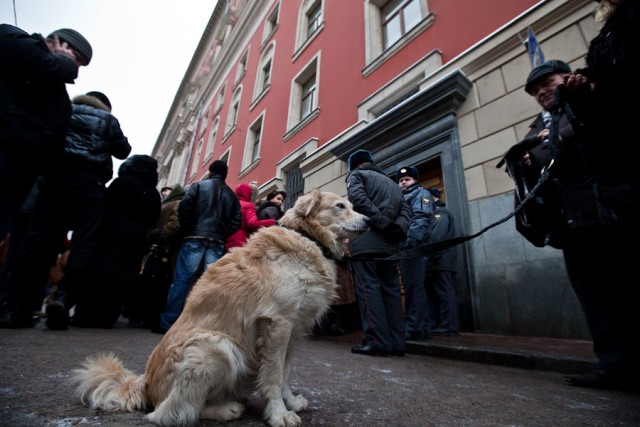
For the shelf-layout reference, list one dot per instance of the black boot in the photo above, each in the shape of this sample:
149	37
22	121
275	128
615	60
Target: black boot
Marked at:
15	317
58	312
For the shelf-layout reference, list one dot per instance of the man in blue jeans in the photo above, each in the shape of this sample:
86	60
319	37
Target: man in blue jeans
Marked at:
208	214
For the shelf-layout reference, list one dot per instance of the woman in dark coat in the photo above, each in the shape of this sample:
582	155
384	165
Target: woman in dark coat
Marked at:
133	206
272	207
153	282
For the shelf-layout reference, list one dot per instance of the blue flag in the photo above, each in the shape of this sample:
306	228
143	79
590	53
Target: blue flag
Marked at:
536	57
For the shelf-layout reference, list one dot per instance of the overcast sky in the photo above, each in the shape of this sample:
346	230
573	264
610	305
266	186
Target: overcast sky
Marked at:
141	51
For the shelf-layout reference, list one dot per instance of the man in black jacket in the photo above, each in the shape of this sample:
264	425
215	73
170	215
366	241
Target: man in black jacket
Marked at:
209	213
377	196
34	107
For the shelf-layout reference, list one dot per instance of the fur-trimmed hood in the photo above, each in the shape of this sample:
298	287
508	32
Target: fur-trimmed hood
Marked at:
91	101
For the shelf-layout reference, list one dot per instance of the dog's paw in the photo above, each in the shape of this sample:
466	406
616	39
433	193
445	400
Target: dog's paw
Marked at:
286	419
297	403
225	411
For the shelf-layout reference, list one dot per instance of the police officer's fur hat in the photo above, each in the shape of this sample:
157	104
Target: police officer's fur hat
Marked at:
407	171
359	157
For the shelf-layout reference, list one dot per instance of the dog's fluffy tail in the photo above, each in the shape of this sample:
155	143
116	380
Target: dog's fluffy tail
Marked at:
103	383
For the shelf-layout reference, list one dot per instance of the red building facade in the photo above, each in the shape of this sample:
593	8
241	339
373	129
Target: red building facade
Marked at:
285	90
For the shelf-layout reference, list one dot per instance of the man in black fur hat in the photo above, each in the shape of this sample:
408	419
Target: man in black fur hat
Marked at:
377	196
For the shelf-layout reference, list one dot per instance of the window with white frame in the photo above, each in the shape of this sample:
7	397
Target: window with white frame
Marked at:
271	24
308	102
196	157
389	25
263	76
309	22
252	144
266	75
212	138
232	117
220	99
314	19
398	17
304	93
242	66
225	156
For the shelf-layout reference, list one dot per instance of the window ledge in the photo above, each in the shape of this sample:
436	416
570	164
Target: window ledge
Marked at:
259	97
249	168
239	79
302	123
268	38
306	43
207	159
228	134
397	46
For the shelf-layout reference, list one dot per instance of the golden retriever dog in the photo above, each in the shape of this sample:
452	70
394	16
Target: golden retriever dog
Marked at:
236	332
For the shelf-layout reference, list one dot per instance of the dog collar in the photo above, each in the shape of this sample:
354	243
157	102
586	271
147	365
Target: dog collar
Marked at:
325	250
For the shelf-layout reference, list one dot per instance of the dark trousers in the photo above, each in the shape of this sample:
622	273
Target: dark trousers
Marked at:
381	314
603	264
16	181
63	204
443	301
417	319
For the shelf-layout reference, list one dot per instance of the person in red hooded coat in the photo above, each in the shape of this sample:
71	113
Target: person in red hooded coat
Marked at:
250	221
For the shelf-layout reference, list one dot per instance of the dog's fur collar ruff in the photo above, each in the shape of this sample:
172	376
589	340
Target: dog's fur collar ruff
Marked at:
325	250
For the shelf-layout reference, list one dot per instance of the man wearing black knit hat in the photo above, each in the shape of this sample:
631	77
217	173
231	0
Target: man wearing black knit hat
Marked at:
208	214
76	42
35	110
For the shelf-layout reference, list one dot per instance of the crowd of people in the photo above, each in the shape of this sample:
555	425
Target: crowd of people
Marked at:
127	249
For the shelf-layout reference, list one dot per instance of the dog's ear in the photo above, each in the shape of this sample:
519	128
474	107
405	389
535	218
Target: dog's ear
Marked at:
308	202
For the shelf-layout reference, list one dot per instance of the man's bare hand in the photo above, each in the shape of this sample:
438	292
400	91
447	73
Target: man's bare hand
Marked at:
62	48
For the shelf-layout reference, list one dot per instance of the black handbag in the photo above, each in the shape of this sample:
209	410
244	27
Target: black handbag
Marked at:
155	263
539	214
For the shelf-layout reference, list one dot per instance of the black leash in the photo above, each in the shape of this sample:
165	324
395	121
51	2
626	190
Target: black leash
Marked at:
434	247
431	248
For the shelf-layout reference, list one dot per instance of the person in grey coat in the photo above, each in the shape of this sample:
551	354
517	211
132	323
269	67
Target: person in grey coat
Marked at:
377	196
